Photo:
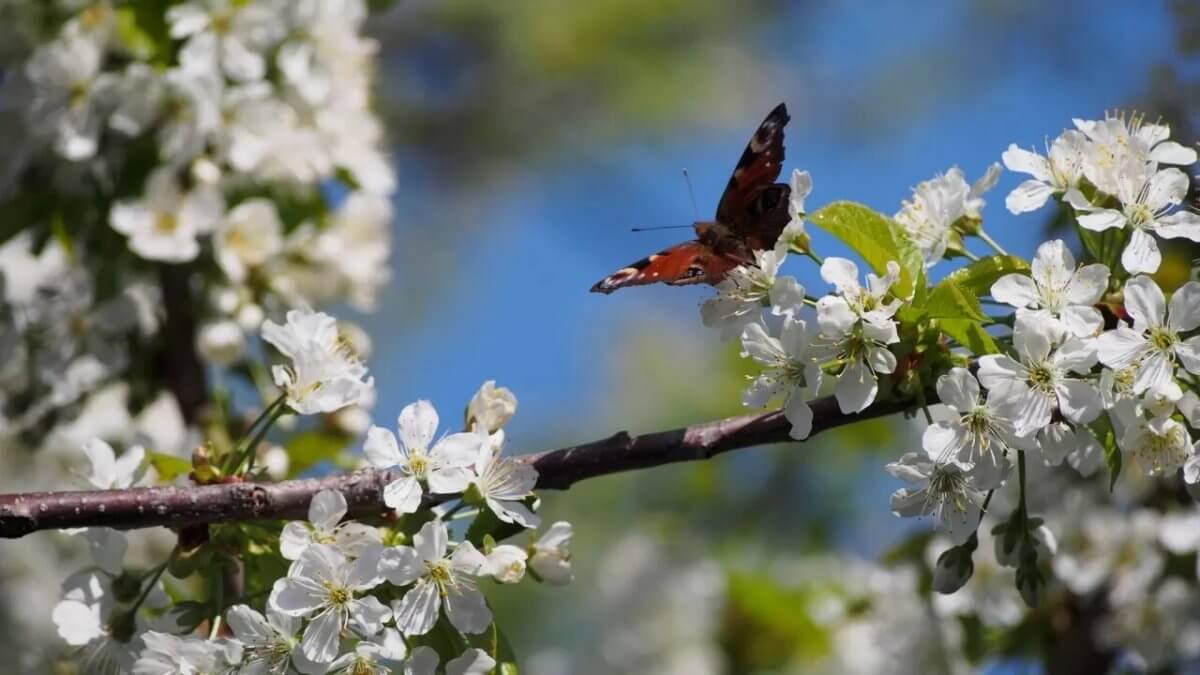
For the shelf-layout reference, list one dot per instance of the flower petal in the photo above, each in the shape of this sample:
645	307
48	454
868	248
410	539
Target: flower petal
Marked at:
326	509
418	423
1017	290
1141	255
417	611
381	448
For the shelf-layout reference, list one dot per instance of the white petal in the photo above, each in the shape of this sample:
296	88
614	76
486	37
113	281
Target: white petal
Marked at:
1101	220
1088	284
999	371
418	424
431	542
417	611
1179	225
1184	312
403	494
1121	347
1017	290
1023	161
1170	152
401	565
248	625
296	596
786	297
511	511
326	510
103	461
449	480
1082	321
1030	195
1188	353
834	316
467	610
457	449
958	389
840	272
381	448
321	638
1079	401
856	388
364	572
1166	188
1145	302
796	411
472	662
368	614
1141	255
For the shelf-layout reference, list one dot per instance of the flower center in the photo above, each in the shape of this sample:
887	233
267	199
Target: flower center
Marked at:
1041	377
439	573
1140	215
1162	339
418	463
948	489
335	595
166	223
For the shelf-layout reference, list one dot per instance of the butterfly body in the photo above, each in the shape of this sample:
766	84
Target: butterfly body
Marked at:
750	216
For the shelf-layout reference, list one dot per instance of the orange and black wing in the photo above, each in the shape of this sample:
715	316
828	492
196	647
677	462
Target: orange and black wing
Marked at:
754	206
691	262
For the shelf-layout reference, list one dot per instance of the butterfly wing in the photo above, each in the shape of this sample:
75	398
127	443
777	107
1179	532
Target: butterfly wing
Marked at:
754	206
691	262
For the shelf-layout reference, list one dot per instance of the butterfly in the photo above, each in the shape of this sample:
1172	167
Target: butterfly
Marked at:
750	216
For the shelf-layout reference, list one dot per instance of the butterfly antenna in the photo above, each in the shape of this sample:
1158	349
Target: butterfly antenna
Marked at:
691	194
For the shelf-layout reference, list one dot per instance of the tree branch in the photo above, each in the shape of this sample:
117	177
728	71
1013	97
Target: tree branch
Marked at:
176	507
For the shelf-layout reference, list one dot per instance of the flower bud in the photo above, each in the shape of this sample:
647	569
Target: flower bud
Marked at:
491	407
954	568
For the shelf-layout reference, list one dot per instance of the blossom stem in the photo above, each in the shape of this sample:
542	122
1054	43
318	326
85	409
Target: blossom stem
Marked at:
154	577
991	242
815	258
970	256
268	416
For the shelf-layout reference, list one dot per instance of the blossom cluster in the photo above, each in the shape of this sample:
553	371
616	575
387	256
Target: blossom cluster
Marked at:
232	139
1098	368
327	613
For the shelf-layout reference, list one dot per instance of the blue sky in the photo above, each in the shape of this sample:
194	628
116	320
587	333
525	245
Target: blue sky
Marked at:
519	310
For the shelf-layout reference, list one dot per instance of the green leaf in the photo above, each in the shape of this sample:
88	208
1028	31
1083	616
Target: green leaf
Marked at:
948	300
970	334
169	467
309	448
141	30
978	277
487	524
875	237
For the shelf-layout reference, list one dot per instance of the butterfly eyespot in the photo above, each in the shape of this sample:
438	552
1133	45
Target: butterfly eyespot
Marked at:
694	271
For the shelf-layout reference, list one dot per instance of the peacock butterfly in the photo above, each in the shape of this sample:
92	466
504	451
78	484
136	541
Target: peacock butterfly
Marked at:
750	216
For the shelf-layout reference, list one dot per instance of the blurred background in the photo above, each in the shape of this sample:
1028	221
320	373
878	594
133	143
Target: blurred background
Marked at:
530	137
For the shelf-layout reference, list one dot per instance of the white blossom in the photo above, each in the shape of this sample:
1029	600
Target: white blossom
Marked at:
789	370
268	642
442	582
325	374
744	290
1146	203
165	223
1040	381
944	491
551	557
323	584
1057	288
1155	344
858	326
1057	173
474	661
491	407
68	88
506	563
248	236
1120	145
441	466
981	434
502	483
324	526
937	204
166	654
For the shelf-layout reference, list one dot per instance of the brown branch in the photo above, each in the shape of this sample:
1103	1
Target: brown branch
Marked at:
176	507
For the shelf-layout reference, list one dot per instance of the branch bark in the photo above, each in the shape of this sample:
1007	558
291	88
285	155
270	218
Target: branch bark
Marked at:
176	507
